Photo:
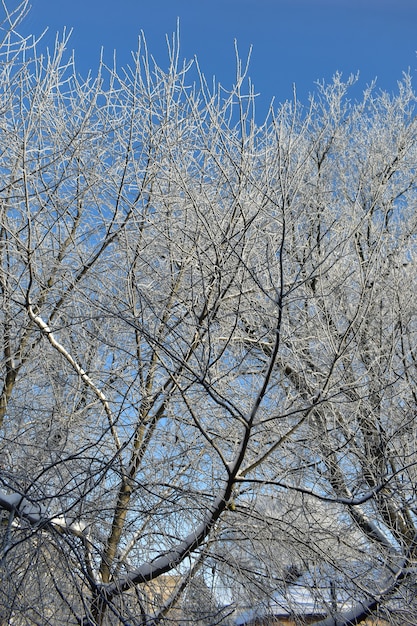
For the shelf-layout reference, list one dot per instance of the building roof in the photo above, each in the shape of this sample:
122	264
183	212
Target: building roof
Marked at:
309	595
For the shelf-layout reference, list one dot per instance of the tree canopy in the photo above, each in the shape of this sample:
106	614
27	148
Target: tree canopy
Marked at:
208	338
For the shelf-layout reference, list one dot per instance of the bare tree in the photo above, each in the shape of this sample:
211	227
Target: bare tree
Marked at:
208	331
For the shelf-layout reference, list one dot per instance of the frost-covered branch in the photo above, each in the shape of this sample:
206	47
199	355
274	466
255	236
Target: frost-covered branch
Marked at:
47	332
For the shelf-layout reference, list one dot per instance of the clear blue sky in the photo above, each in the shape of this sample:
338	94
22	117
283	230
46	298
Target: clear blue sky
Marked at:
294	41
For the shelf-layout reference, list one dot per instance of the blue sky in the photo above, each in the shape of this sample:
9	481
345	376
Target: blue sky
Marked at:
294	41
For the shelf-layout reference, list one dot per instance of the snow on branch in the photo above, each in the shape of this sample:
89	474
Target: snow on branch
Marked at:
35	514
45	329
168	560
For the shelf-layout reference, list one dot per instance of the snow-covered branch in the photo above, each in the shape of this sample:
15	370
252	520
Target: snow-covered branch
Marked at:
34	513
170	559
47	332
